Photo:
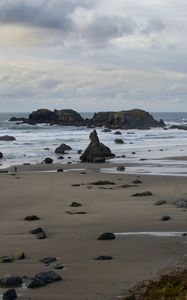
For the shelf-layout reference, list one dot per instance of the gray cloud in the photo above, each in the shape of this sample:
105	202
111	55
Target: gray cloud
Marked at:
153	25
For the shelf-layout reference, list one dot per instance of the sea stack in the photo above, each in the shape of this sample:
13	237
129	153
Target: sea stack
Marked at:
96	151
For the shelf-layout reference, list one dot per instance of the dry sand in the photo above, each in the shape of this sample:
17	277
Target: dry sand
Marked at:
73	238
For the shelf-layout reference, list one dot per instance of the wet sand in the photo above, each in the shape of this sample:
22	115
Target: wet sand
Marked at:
73	238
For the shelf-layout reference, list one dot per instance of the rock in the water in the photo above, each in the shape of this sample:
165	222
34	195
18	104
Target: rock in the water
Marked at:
1	155
95	150
119	141
7	138
66	117
48	260
107	236
106	130
180	127
48	160
10	294
120	168
32	218
147	193
60	170
61	157
104	257
10	280
117	132
135	118
165	218
62	148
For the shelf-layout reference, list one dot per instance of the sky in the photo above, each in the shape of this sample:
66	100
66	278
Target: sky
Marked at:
93	55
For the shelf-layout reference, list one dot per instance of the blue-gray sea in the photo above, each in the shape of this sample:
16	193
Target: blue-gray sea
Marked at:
31	141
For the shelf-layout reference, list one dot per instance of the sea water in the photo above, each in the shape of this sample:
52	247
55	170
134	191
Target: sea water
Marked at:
36	142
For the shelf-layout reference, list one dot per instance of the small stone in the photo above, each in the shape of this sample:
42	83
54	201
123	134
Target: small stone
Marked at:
59	267
48	260
10	280
120	168
160	202
32	218
48	160
104	257
6	259
165	218
137	181
106	236
117	133
10	294
41	235
19	255
119	141
60	170
146	193
48	277
75	204
102	182
37	230
35	283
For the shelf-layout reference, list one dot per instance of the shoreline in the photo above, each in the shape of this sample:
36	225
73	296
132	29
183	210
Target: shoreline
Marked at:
73	238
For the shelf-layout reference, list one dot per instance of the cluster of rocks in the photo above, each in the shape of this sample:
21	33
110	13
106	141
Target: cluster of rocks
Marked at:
130	119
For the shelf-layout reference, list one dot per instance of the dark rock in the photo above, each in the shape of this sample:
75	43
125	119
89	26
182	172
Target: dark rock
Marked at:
19	255
147	193
66	117
48	277
32	218
106	130
10	295
180	203
48	260
76	184
62	148
41	235
79	152
7	138
48	160
76	212
104	257
119	141
46	149
60	170
14	119
120	168
26	164
6	259
10	280
35	283
165	218
137	181
102	182
95	150
37	230
133	152
61	157
106	236
160	202
75	204
59	267
131	119
180	127
117	133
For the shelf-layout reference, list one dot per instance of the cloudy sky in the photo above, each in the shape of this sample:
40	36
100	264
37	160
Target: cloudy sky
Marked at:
93	55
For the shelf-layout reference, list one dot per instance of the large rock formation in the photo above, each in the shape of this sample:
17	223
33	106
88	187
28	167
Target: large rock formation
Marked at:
96	151
66	117
131	119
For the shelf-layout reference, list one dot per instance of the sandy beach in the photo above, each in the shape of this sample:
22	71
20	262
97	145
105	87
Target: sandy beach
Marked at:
72	238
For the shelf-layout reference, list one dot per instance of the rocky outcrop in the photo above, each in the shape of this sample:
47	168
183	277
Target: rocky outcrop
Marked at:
7	138
62	148
95	150
180	127
14	119
66	117
131	119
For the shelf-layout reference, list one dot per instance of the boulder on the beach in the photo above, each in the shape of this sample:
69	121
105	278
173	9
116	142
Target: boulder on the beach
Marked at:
10	280
141	194
62	148
165	218
120	168
104	257
10	294
31	218
107	236
1	155
48	260
32	283
19	256
48	277
95	150
7	138
48	160
6	259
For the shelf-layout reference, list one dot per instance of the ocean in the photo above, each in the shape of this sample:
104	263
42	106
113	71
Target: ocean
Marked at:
34	143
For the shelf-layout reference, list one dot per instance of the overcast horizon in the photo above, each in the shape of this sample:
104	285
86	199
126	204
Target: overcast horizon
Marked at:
93	55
